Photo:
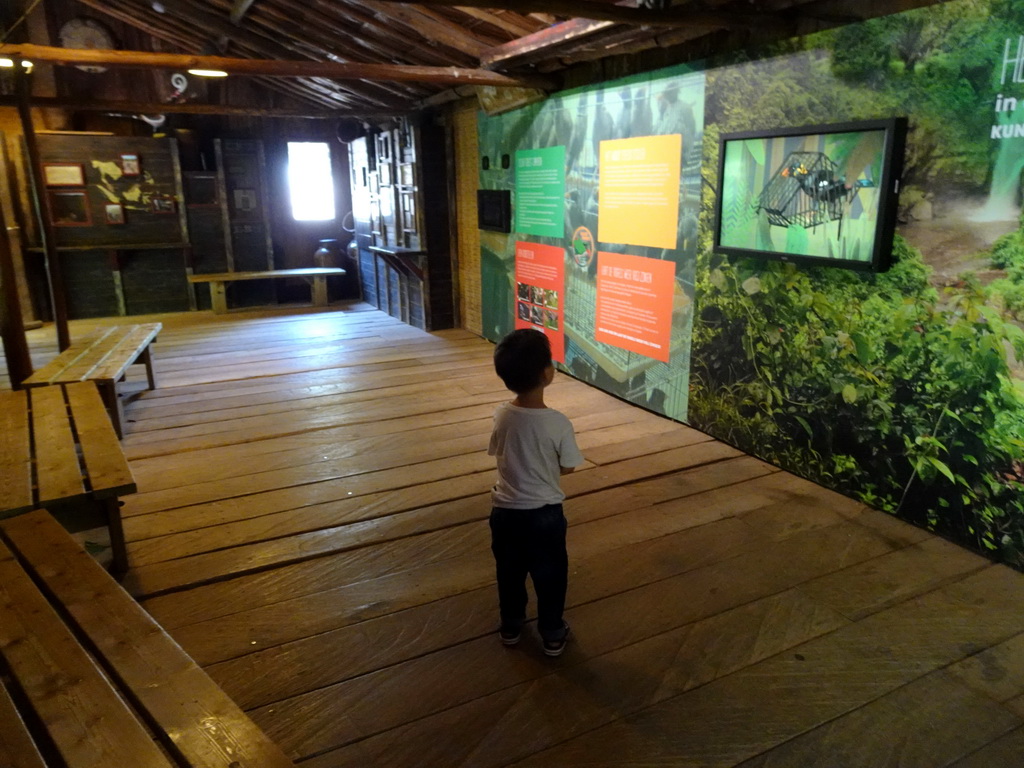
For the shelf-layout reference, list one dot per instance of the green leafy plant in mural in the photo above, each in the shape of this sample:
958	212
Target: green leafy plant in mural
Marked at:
870	386
1007	254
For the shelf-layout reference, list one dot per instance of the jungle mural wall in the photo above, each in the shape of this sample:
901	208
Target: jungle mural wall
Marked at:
903	389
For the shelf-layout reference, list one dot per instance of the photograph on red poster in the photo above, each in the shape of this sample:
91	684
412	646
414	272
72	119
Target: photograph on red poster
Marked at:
634	303
540	292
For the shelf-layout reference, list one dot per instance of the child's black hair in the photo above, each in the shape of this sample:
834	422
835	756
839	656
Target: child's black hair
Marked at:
521	358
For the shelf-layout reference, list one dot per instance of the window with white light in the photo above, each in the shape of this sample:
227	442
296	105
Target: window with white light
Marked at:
310	183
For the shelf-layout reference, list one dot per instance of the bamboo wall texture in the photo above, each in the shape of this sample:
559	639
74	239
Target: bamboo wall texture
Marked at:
467	179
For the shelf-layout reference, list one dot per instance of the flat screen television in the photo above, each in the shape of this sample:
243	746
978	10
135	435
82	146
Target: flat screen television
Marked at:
817	194
494	209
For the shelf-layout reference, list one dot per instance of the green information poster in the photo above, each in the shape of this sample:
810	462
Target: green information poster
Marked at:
540	191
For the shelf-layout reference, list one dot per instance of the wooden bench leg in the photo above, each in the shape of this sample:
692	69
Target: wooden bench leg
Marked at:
108	391
320	291
118	547
218	298
147	360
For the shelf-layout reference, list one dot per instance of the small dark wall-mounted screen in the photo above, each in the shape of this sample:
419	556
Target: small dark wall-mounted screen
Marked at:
494	209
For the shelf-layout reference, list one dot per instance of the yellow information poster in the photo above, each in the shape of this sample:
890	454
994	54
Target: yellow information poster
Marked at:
638	200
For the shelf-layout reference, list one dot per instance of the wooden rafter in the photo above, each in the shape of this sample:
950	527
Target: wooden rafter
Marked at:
546	39
513	24
179	33
682	16
326	25
148	108
257	43
240	8
270	68
438	32
260	42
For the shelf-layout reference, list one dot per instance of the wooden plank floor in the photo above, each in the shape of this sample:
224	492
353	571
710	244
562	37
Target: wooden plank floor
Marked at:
311	527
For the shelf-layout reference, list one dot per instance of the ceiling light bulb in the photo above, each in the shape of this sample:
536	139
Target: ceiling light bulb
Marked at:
207	73
7	63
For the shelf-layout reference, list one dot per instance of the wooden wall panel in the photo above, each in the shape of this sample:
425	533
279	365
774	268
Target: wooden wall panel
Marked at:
466	183
91	288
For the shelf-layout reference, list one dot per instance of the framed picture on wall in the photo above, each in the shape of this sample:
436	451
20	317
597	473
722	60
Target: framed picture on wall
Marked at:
114	212
130	165
69	208
162	204
245	200
64	174
201	190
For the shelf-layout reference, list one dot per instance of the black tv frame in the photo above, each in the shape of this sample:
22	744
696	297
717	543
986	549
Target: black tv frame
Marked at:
895	131
494	210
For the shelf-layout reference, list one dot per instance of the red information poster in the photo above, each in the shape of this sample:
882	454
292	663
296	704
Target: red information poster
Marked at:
634	303
540	292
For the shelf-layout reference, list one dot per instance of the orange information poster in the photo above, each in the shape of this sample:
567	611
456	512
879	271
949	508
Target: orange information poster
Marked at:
638	183
540	292
634	303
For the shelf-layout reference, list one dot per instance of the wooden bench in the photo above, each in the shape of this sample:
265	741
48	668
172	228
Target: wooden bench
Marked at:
90	680
104	357
218	298
59	452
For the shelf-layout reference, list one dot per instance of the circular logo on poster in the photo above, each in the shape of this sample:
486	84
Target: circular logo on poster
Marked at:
582	247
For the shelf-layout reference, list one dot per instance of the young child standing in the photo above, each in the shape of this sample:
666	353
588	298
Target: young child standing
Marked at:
534	446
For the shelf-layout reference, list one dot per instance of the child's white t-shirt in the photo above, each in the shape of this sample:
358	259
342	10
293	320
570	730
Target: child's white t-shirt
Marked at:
531	445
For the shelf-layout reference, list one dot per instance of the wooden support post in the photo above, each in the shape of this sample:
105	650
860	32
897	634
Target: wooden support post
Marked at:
218	298
12	325
147	360
108	392
46	230
319	291
118	278
118	547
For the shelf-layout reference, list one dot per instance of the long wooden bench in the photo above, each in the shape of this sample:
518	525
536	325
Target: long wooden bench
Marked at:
104	357
59	452
90	680
218	281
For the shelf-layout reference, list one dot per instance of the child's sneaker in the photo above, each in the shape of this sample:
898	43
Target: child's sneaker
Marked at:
509	636
555	647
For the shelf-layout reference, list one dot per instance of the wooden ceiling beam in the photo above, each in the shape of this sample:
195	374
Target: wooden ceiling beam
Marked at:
157	28
322	27
438	32
268	43
260	44
271	68
146	108
239	9
682	16
541	43
486	41
389	42
182	34
514	24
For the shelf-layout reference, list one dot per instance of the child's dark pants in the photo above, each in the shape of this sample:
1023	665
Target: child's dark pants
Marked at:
531	541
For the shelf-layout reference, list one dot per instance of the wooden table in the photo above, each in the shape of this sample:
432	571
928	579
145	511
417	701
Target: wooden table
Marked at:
218	281
59	449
